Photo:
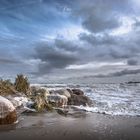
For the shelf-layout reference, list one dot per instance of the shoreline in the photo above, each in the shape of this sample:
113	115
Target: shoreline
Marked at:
81	126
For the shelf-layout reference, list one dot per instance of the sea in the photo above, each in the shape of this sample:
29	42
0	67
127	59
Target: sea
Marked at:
108	98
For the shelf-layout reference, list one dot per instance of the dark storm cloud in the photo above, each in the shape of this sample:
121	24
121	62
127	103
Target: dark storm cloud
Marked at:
98	40
55	56
132	62
97	23
100	16
66	45
125	72
106	47
8	61
119	73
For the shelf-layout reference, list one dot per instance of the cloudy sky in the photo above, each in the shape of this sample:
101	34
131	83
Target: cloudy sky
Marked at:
51	40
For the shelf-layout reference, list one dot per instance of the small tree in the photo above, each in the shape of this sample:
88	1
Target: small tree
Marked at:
22	84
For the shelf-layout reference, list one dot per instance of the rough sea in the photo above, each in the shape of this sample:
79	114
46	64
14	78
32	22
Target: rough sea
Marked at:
113	99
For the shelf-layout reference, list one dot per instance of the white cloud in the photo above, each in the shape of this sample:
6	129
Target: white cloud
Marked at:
126	27
96	65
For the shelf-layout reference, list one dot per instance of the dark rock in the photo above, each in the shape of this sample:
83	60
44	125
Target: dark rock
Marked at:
79	100
62	111
77	92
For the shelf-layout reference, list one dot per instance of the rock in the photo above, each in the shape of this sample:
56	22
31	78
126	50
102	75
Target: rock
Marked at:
27	110
64	92
7	111
62	111
57	100
18	101
77	92
79	100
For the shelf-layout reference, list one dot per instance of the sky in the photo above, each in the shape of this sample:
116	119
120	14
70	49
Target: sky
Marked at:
55	40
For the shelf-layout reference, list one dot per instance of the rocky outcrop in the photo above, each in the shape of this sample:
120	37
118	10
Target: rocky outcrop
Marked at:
78	98
7	111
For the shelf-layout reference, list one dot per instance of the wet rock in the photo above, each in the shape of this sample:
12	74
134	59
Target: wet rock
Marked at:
62	112
64	92
7	111
78	98
18	101
27	110
57	100
77	92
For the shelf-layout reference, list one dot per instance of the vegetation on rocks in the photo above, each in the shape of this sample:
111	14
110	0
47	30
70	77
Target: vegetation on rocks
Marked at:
6	87
22	84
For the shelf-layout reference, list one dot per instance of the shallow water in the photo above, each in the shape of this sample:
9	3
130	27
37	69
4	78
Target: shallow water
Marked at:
88	126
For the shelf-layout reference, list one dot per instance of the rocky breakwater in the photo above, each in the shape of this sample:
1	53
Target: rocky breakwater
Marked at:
7	111
58	98
40	100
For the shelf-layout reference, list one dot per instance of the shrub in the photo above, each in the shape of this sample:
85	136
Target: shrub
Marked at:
22	84
6	87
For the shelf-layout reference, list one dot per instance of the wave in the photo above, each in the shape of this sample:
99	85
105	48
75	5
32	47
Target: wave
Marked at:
113	99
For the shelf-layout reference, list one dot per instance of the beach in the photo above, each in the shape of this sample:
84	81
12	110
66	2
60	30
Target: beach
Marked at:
82	126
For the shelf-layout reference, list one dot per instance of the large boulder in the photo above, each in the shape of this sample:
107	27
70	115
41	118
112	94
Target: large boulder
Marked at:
57	100
18	101
64	92
7	111
78	98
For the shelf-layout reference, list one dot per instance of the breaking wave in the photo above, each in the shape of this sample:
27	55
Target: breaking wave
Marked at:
113	99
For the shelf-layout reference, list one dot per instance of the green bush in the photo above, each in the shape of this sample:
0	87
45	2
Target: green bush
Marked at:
22	84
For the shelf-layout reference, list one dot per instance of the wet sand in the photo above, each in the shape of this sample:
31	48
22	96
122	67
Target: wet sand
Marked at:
81	126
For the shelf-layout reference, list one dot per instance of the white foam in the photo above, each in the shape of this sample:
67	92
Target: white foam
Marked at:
115	99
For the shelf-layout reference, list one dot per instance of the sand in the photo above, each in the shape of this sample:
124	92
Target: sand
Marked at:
81	126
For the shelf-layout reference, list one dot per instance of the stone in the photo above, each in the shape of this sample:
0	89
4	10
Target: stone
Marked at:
8	113
18	101
57	100
62	111
79	100
64	92
77	92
